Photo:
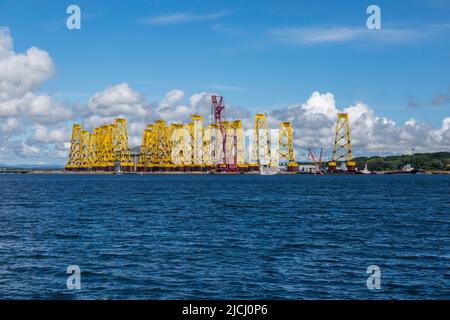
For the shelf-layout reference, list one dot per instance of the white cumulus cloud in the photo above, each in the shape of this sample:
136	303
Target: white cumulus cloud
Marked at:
23	72
21	108
118	99
44	134
314	127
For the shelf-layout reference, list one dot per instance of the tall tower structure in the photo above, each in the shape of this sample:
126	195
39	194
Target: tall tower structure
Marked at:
217	106
108	147
286	147
261	141
147	147
162	155
342	151
239	146
92	149
208	147
75	155
122	157
84	150
177	146
215	147
197	142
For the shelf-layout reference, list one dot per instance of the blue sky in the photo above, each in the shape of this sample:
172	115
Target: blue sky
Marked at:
237	49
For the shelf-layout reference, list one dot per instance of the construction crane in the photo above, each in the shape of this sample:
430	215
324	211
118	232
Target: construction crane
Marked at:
217	106
313	158
228	137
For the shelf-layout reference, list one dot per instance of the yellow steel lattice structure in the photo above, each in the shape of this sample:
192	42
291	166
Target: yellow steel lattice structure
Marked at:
92	149
228	142
285	145
342	151
147	148
207	146
163	147
121	149
99	151
197	140
178	145
216	144
106	158
75	155
213	147
84	150
239	143
188	137
261	141
342	148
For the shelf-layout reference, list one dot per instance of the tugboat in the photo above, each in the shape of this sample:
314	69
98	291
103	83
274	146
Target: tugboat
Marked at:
366	171
408	169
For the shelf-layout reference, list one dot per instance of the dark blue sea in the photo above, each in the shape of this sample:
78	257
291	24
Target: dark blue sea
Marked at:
224	236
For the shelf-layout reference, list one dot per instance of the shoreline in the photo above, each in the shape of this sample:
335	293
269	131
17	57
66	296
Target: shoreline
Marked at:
62	171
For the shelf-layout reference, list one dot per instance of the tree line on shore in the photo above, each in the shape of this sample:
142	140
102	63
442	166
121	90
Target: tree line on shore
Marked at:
421	161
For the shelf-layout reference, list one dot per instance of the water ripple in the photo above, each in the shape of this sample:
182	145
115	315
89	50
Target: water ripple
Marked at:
224	237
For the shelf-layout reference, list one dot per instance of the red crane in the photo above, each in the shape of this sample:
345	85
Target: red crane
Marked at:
217	106
312	157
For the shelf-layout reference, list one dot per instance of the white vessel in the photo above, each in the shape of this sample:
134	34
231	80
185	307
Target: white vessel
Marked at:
366	171
408	169
268	171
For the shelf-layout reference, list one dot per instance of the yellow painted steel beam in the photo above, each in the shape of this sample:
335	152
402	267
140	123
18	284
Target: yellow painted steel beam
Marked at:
342	150
261	141
74	161
177	151
84	150
239	142
163	150
120	141
197	140
285	145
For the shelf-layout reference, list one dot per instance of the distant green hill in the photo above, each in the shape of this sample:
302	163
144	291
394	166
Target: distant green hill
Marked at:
43	167
423	161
